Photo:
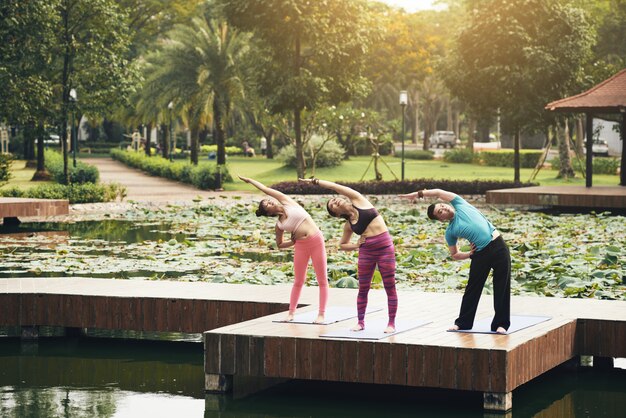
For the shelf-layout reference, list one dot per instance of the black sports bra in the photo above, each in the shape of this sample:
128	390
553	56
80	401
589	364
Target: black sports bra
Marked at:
366	216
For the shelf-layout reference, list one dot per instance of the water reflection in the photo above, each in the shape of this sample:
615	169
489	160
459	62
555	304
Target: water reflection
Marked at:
109	377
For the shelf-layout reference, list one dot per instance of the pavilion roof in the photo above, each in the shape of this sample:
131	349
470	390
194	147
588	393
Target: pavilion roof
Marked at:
607	97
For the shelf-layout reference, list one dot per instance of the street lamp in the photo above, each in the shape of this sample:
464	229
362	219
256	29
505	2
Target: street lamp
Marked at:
170	106
404	98
73	139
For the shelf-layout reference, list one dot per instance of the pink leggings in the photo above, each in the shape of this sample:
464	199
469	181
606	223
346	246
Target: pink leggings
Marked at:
310	248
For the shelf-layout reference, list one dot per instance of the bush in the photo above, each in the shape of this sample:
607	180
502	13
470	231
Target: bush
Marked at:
5	168
206	149
204	176
81	174
75	193
504	158
331	155
459	156
601	165
419	155
365	147
406	186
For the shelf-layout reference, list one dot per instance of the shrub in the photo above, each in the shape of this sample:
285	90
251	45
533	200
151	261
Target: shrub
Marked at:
459	155
204	176
5	168
419	155
82	173
331	155
504	158
75	193
600	165
206	149
406	186
365	147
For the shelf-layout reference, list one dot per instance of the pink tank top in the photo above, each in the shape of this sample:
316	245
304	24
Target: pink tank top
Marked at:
295	216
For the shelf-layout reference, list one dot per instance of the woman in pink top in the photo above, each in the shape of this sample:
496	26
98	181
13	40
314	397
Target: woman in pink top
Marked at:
306	238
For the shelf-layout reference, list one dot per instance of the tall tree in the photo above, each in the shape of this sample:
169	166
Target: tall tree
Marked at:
198	69
518	55
91	51
315	52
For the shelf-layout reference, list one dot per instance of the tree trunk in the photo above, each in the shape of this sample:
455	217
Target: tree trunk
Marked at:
516	164
148	135
41	173
165	141
449	125
566	171
471	127
297	126
28	147
195	141
219	131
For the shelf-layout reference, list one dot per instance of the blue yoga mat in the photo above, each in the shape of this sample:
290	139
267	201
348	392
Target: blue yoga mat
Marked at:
332	315
518	322
374	330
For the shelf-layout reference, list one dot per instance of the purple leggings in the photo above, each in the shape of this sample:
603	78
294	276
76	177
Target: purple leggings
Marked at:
377	250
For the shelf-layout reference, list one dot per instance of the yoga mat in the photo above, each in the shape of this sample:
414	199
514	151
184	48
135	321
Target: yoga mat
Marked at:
374	330
518	322
332	315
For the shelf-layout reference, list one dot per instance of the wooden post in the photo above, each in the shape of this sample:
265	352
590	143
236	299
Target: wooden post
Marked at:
622	173
498	401
589	145
218	383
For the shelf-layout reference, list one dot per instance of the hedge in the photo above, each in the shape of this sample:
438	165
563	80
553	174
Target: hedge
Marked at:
600	165
81	174
75	193
407	186
204	176
504	158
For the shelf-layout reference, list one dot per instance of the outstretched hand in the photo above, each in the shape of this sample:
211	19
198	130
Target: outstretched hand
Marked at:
244	179
410	196
306	180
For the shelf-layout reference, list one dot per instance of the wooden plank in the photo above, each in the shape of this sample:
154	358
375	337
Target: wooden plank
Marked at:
382	363
304	359
318	359
334	360
257	356
272	351
365	371
465	369
497	371
211	353
399	355
73	313
174	315
349	355
242	355
415	365
227	354
160	315
288	358
432	366
148	306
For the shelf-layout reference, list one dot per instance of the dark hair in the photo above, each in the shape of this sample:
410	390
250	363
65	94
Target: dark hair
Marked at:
333	214
431	212
261	211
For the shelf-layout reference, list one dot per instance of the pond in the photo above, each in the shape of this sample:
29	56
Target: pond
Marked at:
222	241
97	377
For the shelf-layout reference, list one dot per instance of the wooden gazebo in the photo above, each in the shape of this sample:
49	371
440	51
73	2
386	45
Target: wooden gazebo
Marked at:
608	97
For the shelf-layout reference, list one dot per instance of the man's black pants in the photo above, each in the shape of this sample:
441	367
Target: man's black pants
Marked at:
494	256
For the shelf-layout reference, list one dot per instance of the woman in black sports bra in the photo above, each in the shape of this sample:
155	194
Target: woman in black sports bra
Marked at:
374	244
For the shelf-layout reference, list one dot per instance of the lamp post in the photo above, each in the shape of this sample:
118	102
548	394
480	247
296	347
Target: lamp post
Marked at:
403	103
73	139
170	106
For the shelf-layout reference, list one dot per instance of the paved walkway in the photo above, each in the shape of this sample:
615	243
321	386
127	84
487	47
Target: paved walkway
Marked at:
141	187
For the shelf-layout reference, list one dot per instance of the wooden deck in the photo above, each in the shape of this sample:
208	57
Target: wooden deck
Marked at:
242	344
427	356
597	197
12	208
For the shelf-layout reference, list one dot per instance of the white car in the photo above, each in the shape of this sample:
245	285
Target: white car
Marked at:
443	138
600	147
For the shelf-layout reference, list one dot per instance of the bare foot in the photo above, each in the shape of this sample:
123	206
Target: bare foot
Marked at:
289	318
453	328
319	319
390	329
500	330
357	327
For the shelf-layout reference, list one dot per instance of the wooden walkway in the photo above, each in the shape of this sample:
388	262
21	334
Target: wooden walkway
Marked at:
596	197
12	208
242	344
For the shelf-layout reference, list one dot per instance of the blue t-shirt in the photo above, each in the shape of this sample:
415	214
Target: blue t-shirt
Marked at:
470	224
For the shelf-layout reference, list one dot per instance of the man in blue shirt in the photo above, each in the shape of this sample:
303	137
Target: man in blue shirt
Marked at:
488	251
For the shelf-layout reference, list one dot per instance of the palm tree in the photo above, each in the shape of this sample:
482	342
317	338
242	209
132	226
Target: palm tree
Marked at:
198	69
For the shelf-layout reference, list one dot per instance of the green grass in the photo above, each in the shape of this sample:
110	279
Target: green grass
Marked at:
271	171
21	176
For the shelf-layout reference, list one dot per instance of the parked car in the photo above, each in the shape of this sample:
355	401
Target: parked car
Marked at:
600	147
444	138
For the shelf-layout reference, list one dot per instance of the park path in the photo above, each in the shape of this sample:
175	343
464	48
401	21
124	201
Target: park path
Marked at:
141	187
